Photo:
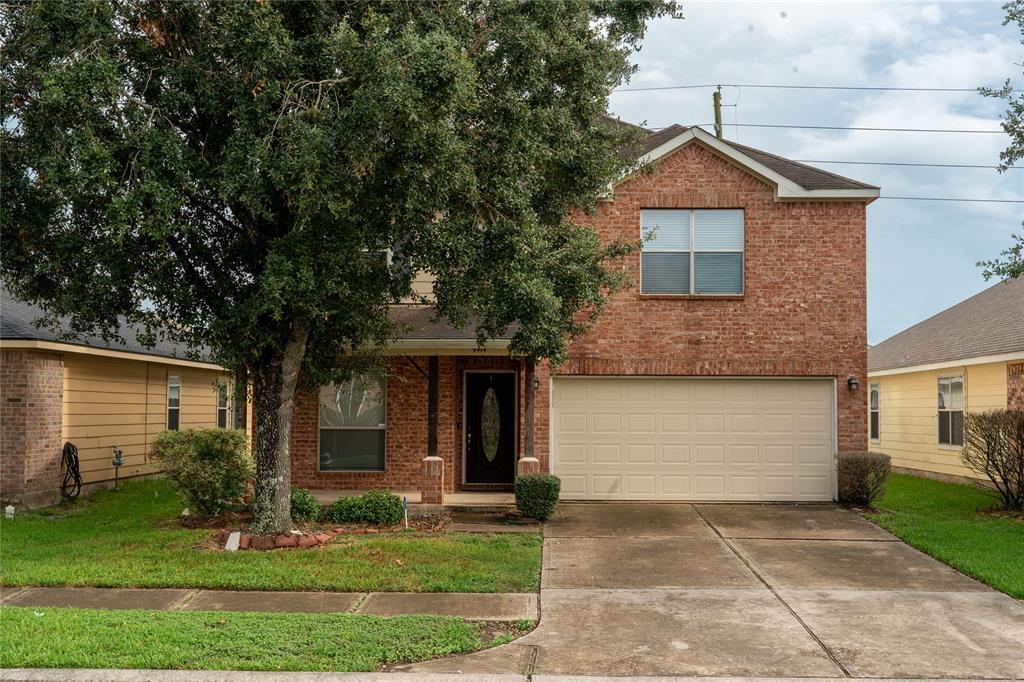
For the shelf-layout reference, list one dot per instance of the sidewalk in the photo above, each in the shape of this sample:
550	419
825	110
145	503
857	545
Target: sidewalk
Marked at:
21	675
471	606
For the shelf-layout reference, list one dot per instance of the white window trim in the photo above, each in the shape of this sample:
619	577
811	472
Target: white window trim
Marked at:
693	259
383	428
173	380
877	388
228	404
939	410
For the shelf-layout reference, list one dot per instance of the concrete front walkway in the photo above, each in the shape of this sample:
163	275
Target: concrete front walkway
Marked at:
751	591
473	606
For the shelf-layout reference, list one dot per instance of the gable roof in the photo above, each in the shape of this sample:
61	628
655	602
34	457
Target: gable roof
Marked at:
986	324
792	180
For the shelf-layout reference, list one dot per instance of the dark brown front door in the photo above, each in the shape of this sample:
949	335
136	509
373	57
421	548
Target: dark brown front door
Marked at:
490	427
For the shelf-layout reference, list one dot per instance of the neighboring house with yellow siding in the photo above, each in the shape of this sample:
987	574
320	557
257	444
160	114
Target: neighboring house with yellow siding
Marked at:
968	358
96	396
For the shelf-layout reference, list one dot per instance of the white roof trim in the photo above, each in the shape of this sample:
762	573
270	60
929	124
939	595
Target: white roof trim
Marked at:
966	362
785	189
82	349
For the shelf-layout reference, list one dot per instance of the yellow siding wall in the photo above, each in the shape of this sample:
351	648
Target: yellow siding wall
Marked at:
111	401
422	285
908	416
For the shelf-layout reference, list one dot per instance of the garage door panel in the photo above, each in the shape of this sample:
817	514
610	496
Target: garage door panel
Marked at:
645	422
744	454
701	439
709	423
675	423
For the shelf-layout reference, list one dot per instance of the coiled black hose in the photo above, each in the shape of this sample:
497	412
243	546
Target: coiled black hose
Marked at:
71	486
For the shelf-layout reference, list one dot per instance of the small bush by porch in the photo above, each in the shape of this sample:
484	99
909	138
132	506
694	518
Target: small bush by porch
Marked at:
132	538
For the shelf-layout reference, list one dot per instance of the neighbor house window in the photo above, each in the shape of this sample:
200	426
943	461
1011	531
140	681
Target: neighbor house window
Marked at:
691	251
223	405
173	402
873	410
352	418
951	410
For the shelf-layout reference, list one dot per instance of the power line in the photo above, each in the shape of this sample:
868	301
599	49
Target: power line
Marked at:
887	130
794	87
983	201
899	163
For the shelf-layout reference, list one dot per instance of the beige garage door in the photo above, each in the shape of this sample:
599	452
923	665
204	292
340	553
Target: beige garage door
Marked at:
693	439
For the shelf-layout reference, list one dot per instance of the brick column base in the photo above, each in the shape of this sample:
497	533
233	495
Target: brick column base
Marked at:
432	480
528	465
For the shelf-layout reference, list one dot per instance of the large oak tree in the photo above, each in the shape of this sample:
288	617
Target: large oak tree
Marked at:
262	179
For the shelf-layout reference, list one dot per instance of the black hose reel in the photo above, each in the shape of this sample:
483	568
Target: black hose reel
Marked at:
71	483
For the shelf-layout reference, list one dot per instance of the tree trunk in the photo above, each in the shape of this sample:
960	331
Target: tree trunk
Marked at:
241	397
273	402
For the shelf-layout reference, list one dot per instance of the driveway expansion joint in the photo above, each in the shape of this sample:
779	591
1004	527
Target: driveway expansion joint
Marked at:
770	588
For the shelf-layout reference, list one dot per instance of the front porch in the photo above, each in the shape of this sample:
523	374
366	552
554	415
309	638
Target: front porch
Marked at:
446	424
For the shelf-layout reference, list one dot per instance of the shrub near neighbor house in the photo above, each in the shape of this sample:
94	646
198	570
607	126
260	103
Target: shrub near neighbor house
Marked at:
378	507
209	466
862	477
537	495
994	448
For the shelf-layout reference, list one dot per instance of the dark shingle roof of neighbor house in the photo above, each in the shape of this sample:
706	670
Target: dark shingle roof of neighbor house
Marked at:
808	177
416	322
989	323
17	318
17	323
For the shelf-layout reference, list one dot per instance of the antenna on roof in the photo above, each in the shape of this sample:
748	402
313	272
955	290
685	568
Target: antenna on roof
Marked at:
716	97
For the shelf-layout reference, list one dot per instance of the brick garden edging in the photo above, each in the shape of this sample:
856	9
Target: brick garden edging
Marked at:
285	540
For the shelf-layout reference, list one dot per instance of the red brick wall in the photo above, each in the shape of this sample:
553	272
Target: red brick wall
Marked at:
31	411
405	440
804	308
1015	386
803	314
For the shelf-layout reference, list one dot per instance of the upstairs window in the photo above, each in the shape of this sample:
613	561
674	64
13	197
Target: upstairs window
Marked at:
173	402
951	410
874	412
691	251
352	424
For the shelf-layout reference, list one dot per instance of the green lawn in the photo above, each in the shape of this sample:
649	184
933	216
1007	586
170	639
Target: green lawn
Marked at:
943	520
88	638
131	538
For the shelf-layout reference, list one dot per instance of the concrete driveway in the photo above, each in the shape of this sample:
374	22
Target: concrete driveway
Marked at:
751	590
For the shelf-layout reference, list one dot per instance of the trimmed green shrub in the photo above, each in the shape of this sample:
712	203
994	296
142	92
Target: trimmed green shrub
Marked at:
537	495
304	505
209	466
862	477
378	507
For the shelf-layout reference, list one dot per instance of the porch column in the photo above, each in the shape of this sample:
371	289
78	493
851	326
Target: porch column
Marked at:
432	466
528	463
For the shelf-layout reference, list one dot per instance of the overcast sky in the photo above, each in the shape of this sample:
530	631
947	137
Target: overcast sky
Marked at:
921	255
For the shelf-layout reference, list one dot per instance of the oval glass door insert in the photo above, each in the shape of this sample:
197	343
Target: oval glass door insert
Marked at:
490	424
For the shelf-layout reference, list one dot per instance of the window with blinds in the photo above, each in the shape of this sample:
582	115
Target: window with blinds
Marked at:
691	251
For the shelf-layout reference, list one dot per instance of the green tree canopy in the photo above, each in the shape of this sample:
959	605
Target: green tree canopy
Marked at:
262	179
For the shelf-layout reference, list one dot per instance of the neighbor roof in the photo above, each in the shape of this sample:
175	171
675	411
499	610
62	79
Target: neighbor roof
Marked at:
17	323
807	177
989	323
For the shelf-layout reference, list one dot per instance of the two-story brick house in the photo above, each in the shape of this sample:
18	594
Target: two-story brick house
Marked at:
733	368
